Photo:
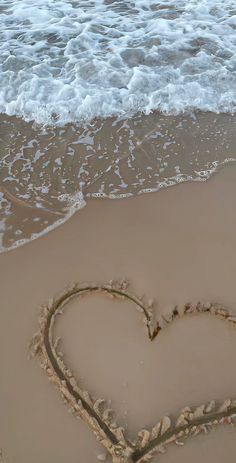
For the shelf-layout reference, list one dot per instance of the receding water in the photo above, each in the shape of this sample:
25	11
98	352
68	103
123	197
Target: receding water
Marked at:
48	173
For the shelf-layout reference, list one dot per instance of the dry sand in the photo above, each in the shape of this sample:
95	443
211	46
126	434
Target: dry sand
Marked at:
175	245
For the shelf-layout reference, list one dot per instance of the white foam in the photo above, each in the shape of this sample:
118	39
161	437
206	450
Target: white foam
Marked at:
73	203
66	61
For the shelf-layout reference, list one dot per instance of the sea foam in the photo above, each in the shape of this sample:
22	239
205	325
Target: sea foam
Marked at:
69	61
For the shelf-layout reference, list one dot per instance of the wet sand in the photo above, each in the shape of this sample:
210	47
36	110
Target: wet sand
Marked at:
44	170
175	245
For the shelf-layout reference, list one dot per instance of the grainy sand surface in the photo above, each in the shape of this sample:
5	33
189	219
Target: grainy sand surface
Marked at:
175	245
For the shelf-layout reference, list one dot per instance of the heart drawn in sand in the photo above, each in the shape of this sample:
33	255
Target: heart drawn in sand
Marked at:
190	422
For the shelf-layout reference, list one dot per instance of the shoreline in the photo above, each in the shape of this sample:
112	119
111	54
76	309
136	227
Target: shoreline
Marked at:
45	174
81	203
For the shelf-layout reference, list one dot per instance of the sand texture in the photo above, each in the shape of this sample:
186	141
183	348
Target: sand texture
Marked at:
175	246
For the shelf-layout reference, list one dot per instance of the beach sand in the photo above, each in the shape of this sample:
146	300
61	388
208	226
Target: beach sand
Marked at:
176	245
43	171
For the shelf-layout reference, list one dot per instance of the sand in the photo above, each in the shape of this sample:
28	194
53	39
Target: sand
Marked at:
43	172
175	245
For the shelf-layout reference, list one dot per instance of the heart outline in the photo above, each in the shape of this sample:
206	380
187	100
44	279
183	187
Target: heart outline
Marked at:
110	435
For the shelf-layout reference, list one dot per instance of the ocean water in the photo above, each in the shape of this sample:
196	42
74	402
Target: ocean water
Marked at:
66	61
110	99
